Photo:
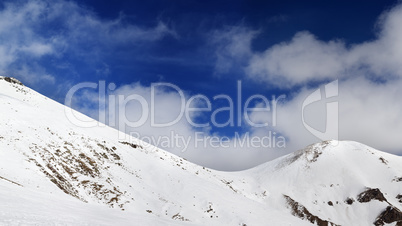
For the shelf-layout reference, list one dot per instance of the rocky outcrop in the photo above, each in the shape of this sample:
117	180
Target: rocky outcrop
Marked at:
390	215
371	194
11	80
302	212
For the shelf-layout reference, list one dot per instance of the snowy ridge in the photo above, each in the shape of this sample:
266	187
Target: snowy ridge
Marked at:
98	179
326	177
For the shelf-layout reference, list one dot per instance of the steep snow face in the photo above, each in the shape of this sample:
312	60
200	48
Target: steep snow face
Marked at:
50	167
42	153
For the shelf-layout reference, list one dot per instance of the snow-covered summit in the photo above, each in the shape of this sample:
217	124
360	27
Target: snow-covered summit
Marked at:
327	179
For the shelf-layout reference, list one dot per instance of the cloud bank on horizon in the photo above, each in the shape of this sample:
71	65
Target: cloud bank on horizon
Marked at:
46	43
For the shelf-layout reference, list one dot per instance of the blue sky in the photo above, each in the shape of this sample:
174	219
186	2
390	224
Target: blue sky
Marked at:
187	53
205	47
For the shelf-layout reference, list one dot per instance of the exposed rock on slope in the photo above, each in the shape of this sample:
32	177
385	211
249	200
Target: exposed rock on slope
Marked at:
371	194
300	211
11	80
389	215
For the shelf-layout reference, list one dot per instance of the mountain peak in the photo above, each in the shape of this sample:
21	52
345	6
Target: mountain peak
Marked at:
11	80
312	152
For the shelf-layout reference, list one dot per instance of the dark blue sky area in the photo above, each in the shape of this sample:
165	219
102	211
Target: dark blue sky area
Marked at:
350	20
186	56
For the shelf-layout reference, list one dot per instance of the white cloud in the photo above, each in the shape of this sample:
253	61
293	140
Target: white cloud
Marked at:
32	30
368	113
37	49
306	59
232	46
302	59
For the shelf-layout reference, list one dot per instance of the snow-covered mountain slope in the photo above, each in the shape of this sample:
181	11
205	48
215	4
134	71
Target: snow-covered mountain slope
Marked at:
41	150
331	179
53	172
